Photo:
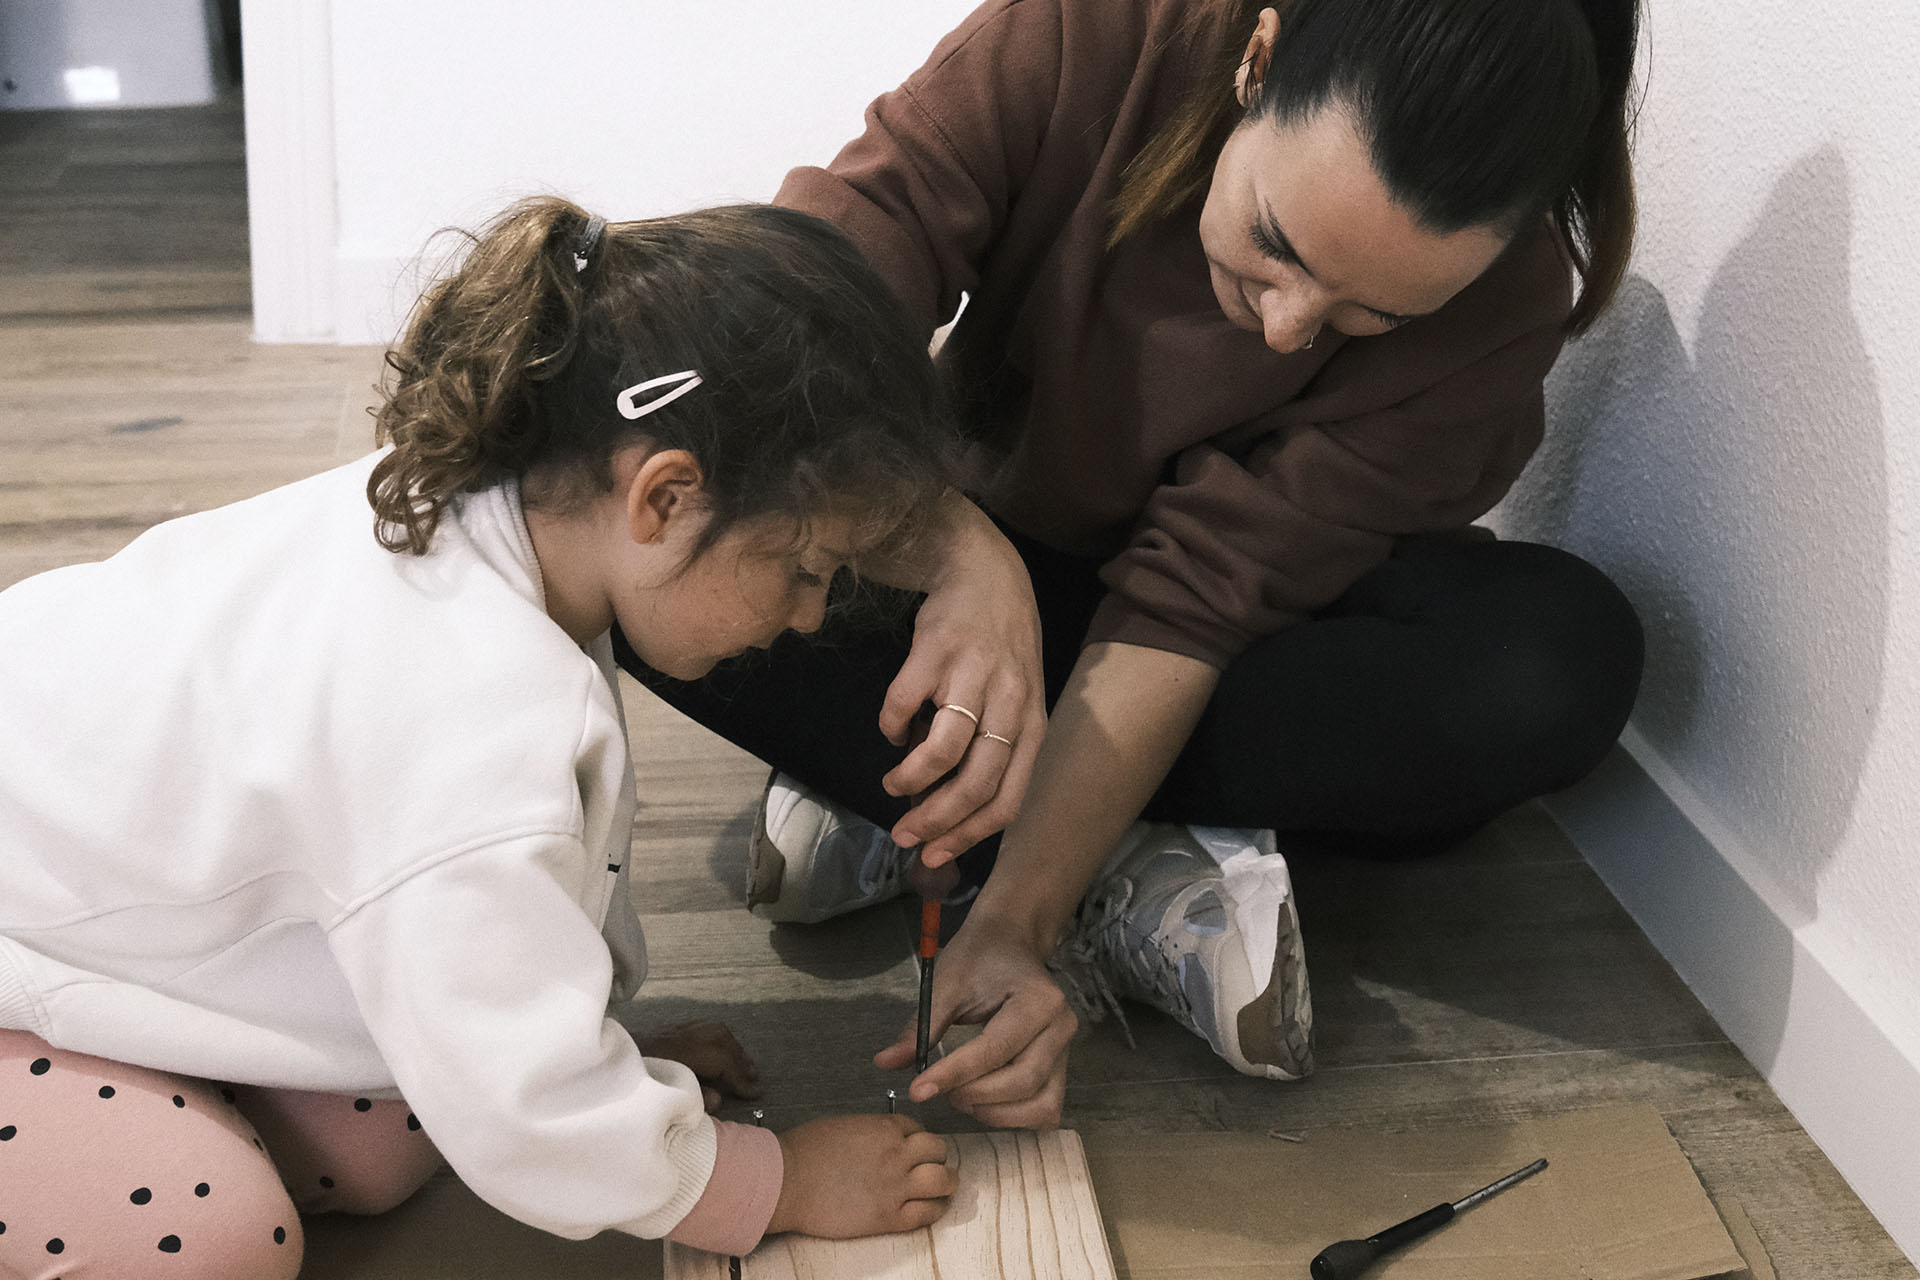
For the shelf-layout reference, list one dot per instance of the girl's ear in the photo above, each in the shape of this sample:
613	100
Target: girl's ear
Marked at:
661	487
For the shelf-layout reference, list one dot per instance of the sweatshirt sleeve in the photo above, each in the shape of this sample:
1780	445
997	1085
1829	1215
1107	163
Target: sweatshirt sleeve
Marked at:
739	1201
1255	530
924	189
485	982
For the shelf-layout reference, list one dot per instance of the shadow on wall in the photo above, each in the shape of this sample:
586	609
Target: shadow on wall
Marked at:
1740	498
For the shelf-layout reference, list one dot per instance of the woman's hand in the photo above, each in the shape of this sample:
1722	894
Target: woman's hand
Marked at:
1014	1073
1123	717
861	1176
710	1050
976	645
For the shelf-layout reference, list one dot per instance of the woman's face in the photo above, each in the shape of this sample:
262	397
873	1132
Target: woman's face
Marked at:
1300	234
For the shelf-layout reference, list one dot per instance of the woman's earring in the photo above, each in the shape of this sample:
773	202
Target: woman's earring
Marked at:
1252	72
1246	87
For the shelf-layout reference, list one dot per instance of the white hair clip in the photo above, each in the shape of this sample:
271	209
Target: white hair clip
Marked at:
687	379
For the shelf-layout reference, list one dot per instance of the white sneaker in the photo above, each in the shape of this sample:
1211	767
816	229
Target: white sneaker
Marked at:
1200	923
811	860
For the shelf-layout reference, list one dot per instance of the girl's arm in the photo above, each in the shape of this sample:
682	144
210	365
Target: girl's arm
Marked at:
1125	715
484	983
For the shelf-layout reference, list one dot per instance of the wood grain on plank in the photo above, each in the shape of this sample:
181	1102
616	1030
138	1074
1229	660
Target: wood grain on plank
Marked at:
1025	1210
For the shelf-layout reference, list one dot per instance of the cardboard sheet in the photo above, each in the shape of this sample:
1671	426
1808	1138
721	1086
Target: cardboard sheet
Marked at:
1618	1202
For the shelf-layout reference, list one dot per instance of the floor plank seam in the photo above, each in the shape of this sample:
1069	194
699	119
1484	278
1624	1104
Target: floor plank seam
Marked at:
1533	1056
1324	1071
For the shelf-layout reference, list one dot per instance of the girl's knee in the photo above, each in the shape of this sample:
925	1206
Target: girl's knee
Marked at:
342	1154
118	1170
368	1190
253	1233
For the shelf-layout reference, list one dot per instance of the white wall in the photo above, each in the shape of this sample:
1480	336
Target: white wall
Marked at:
443	111
1739	444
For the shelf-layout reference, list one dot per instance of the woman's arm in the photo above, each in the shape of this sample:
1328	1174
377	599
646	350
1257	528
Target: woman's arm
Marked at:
1125	715
928	186
976	644
984	151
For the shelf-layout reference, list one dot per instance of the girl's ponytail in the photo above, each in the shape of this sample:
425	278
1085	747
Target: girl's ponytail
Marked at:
463	409
1596	216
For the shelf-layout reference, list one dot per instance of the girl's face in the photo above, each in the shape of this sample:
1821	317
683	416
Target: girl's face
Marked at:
741	593
1300	234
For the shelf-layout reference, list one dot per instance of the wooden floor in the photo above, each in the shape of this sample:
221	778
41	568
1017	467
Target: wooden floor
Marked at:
1498	981
111	213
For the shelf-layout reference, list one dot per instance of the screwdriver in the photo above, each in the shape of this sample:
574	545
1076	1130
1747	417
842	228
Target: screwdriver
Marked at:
1347	1259
929	948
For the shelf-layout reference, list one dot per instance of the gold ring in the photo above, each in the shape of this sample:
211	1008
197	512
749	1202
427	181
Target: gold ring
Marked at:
954	706
997	738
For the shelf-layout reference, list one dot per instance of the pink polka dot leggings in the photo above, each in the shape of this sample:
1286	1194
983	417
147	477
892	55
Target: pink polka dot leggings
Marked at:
109	1170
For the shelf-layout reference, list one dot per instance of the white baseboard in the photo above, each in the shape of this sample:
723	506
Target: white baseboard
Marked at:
1850	1084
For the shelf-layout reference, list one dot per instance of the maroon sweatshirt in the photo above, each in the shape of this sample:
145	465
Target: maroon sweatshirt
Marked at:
1231	489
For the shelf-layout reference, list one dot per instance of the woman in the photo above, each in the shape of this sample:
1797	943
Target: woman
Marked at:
1260	305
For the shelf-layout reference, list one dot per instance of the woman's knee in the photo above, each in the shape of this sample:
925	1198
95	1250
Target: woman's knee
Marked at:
1560	684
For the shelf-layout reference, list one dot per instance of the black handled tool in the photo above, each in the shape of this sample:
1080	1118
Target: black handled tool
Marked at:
1347	1259
929	949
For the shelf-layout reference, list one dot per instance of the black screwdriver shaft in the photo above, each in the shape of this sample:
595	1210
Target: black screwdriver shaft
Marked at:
1349	1258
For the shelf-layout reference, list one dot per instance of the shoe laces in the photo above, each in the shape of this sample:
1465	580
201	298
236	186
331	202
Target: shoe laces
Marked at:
883	865
1103	947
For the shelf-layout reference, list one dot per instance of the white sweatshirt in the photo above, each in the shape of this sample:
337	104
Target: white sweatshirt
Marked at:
280	806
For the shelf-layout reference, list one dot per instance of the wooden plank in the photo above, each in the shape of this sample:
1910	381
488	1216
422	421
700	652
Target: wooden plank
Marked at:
1025	1210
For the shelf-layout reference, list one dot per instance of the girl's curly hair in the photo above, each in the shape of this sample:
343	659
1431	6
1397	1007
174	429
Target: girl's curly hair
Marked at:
815	395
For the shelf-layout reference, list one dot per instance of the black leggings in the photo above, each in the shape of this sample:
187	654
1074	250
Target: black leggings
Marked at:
1456	680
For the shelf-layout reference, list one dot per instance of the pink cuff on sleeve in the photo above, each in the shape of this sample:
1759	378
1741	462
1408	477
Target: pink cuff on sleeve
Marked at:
733	1212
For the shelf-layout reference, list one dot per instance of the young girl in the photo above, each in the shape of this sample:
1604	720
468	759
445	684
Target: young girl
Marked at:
315	819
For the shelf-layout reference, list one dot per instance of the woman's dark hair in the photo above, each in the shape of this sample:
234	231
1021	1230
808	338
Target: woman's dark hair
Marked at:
1476	112
815	395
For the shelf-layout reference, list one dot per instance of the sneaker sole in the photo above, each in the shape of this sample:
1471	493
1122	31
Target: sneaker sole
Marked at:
767	866
770	867
1274	1031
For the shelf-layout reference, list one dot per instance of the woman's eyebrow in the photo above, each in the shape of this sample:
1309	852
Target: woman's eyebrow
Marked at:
1273	242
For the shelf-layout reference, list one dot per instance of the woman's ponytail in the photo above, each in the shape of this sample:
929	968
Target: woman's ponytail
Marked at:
1596	216
463	409
1476	111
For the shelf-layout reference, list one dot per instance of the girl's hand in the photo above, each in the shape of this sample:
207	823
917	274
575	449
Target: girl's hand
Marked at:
976	644
710	1050
861	1176
1014	1073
